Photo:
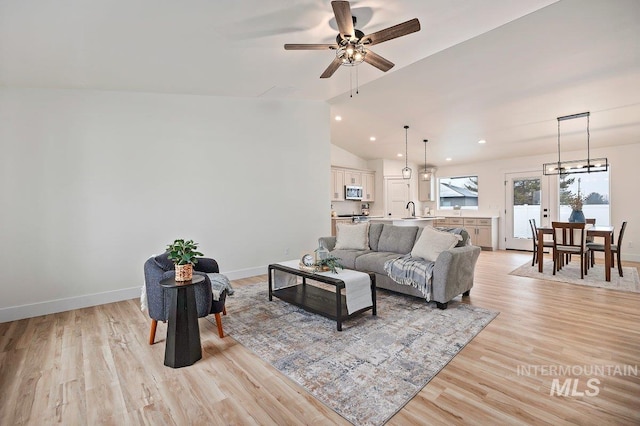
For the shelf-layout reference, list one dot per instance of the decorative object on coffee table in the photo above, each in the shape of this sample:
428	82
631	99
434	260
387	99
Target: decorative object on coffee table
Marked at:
183	254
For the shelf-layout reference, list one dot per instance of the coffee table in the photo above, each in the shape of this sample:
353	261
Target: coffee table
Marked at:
314	299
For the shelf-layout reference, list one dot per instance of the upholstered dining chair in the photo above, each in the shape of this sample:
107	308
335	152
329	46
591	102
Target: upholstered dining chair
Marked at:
569	238
158	300
615	248
534	231
590	221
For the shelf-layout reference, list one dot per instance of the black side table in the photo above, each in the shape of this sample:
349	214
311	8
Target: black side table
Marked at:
183	334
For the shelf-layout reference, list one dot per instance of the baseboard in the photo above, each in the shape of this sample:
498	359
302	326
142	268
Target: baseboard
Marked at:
245	273
14	313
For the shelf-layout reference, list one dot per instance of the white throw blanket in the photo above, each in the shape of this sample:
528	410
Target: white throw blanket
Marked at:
357	284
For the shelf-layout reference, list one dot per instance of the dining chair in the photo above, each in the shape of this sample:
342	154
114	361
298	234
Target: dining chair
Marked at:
590	221
534	231
569	238
615	249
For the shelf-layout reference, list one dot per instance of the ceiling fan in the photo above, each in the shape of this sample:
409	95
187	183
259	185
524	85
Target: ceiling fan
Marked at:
351	44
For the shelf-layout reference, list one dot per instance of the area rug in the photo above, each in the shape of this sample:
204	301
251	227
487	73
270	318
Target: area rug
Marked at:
570	273
371	369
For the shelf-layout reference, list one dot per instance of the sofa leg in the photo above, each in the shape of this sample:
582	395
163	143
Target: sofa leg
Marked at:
442	305
152	334
466	293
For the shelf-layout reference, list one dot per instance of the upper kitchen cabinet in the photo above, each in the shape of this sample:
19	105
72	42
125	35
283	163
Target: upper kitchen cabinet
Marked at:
353	177
425	190
368	186
337	184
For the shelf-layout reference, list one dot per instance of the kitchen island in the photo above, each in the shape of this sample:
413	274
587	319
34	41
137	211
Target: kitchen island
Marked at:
420	221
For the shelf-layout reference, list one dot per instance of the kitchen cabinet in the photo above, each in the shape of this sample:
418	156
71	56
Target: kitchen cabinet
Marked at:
337	184
343	176
368	186
353	177
483	231
425	190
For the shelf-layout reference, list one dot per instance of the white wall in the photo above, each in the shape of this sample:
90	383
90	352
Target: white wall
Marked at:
625	203
92	183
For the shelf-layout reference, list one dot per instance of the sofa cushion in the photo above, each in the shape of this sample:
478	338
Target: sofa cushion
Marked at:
353	236
375	229
374	261
347	258
397	239
432	242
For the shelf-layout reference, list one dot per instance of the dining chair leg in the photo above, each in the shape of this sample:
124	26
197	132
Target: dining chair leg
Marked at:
619	264
152	334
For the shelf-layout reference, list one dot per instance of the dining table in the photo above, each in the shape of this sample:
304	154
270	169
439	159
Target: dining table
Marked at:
606	232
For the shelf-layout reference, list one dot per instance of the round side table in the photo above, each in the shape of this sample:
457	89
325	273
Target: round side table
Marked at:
183	334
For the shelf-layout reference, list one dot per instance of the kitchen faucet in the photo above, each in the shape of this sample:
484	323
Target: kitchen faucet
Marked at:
413	213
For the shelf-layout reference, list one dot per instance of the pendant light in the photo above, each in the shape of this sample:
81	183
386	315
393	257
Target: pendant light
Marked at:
406	172
426	173
590	165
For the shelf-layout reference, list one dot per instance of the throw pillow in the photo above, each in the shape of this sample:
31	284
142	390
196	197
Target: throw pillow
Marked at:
433	242
352	236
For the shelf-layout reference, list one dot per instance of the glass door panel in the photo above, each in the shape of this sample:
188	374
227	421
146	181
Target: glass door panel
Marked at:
524	201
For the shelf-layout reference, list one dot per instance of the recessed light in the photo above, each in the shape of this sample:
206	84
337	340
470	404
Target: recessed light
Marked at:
338	118
399	155
448	159
481	141
372	138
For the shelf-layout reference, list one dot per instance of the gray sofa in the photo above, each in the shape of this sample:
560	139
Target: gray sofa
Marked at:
452	273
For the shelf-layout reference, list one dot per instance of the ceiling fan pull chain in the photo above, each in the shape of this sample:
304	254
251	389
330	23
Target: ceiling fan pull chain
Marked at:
357	83
351	82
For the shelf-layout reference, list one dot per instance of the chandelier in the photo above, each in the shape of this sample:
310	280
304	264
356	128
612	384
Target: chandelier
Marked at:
590	165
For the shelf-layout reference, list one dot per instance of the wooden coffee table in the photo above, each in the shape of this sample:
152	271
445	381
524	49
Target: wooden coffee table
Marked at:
314	299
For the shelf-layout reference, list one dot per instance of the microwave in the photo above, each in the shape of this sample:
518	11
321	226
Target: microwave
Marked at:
352	192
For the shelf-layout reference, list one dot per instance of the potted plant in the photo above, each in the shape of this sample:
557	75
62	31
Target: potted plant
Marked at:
576	202
183	254
329	263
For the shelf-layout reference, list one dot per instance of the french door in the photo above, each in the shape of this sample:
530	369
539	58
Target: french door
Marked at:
527	197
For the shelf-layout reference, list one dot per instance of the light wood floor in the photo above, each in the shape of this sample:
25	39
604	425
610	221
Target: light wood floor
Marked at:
94	366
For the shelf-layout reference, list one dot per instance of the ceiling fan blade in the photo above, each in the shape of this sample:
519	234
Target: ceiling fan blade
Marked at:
344	20
333	66
310	46
378	61
390	33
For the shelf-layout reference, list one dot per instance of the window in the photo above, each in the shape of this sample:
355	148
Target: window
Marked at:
592	189
458	191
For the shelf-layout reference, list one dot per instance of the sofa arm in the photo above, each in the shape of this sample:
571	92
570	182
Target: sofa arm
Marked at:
206	265
327	242
453	272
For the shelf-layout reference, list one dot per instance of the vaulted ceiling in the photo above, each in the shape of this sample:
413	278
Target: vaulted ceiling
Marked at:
500	70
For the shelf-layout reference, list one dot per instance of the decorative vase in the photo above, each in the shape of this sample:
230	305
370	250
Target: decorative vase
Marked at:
577	216
184	272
